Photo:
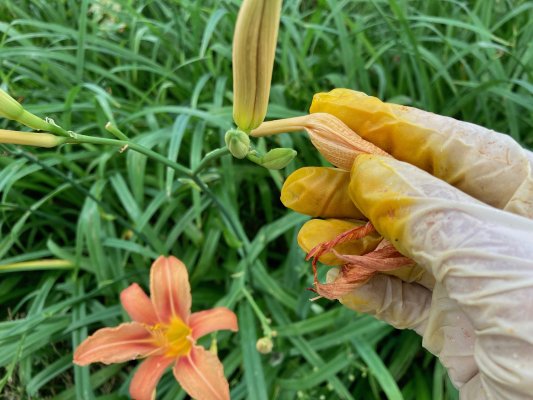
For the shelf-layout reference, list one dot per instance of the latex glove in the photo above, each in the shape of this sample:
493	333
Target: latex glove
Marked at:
476	318
481	162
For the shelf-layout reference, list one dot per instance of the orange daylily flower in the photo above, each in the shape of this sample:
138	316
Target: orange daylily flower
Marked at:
163	332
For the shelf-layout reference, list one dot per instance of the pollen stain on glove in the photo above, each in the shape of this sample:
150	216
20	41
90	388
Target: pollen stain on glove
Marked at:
381	193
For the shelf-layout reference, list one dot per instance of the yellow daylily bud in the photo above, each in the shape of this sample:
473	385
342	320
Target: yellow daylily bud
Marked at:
254	48
278	158
31	138
238	143
332	137
12	109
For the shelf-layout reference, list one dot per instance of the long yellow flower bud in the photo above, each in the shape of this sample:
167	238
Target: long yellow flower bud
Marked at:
254	48
31	138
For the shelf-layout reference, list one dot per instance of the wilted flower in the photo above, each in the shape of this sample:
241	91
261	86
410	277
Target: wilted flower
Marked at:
164	332
332	137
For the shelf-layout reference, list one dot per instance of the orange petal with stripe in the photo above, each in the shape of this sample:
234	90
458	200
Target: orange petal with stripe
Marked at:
201	375
144	382
204	322
170	290
138	305
114	345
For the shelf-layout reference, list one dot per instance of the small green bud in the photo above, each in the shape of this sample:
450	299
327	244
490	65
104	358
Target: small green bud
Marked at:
238	143
278	158
264	345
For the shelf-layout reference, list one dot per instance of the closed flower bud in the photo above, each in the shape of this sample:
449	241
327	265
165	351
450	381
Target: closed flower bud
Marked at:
254	48
9	107
12	109
30	138
238	143
264	345
278	158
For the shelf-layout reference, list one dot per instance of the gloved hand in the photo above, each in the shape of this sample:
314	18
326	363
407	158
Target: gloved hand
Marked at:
472	297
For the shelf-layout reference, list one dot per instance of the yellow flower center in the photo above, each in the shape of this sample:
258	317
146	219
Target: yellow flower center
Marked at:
173	337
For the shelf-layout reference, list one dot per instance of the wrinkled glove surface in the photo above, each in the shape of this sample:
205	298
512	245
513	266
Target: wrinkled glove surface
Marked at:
471	295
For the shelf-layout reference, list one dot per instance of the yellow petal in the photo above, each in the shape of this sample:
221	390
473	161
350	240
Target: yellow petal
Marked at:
319	192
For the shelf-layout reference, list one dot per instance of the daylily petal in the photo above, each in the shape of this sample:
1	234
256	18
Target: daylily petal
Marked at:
169	289
138	305
208	321
201	375
144	382
114	345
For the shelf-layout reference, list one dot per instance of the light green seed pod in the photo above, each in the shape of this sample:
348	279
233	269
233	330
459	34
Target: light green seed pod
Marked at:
254	48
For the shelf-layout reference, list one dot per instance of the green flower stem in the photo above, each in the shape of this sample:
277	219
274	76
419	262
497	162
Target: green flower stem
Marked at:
253	157
238	288
53	128
265	324
211	156
77	138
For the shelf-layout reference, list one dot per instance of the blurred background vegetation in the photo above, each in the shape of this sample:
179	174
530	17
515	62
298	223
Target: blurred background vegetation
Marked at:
161	70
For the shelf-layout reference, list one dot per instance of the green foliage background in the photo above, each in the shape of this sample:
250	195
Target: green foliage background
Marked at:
161	70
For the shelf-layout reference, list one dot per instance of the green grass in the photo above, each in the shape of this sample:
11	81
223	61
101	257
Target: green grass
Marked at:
161	70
